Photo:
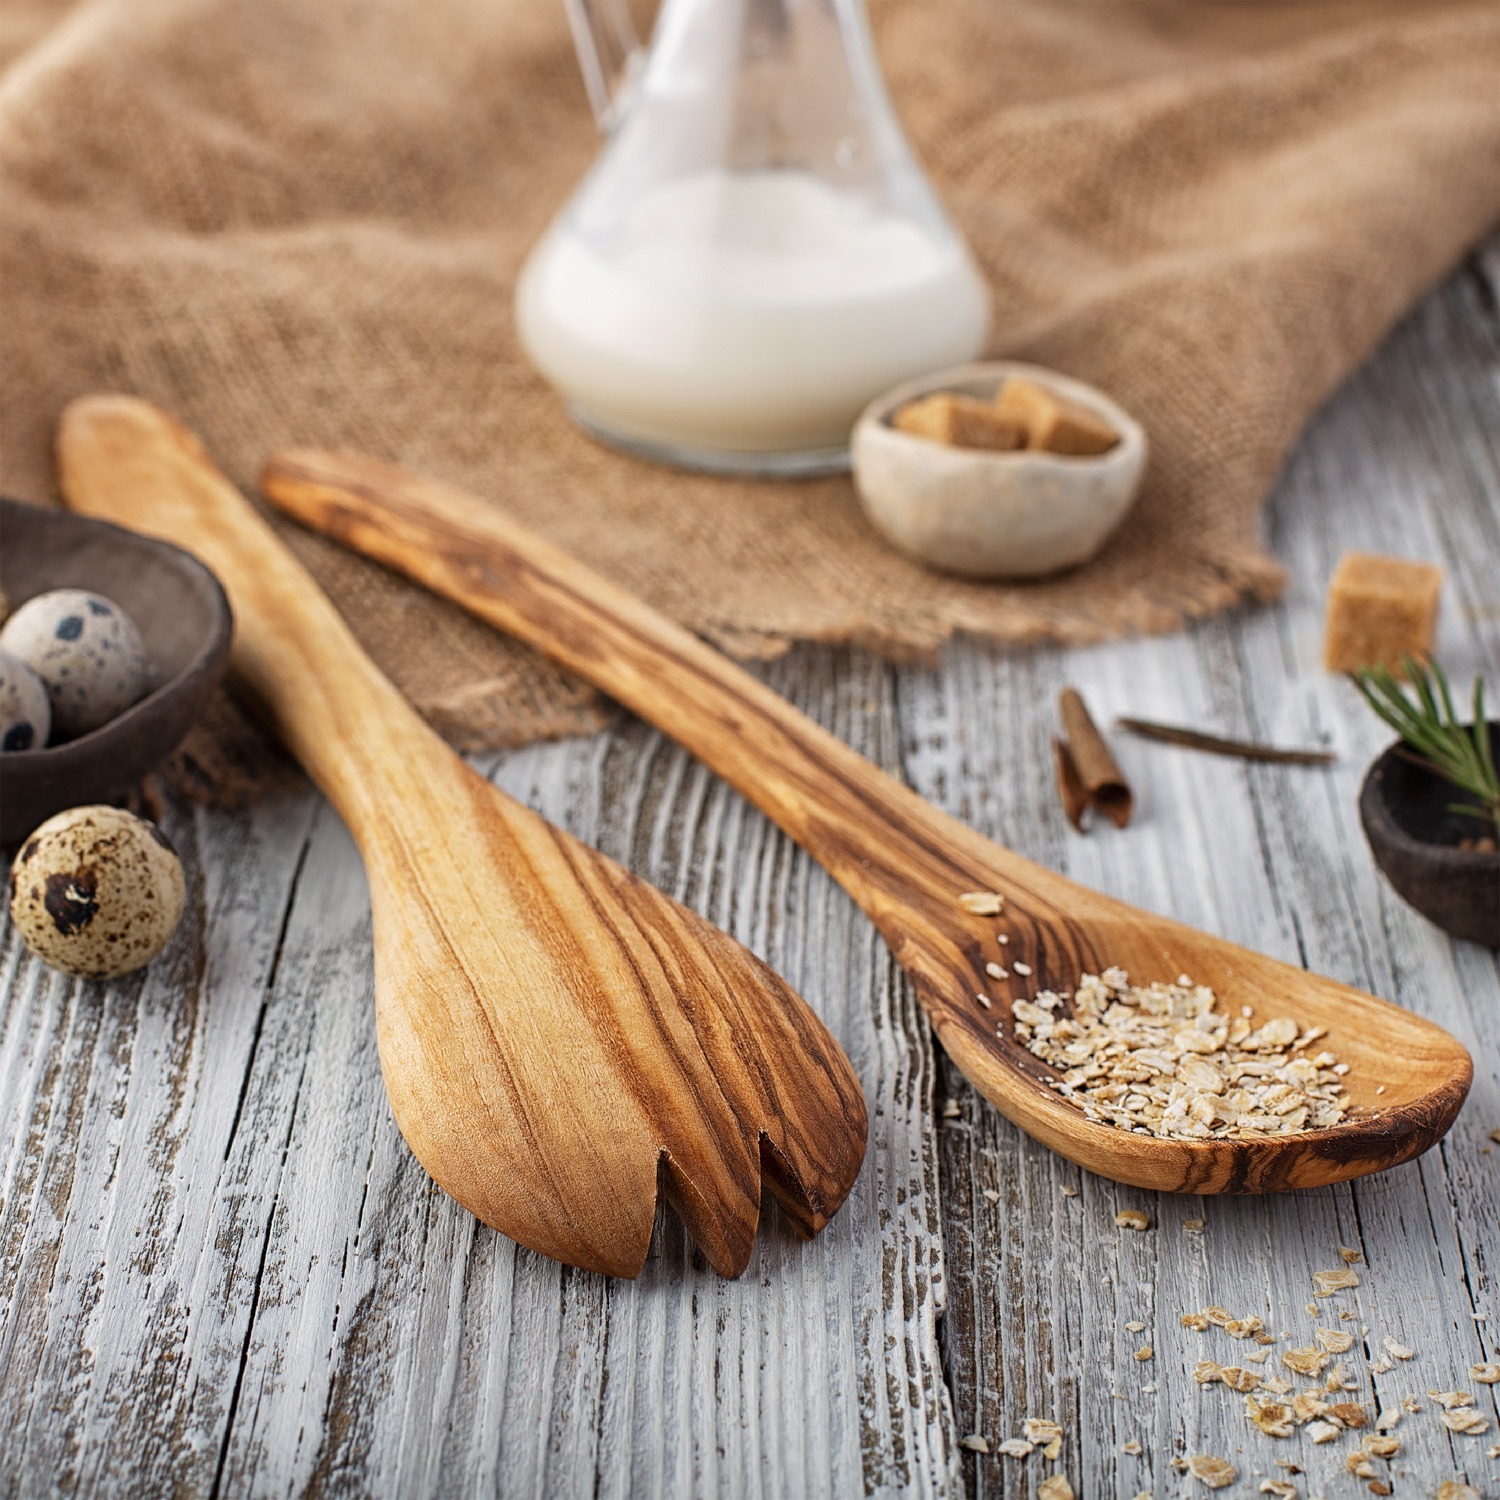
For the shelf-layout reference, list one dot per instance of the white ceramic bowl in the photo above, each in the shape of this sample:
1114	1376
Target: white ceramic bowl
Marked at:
986	514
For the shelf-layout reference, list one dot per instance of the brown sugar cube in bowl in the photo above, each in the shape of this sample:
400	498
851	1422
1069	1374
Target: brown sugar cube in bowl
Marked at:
1380	609
959	421
1052	422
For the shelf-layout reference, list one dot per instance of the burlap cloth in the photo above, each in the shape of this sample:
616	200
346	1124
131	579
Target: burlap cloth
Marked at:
300	221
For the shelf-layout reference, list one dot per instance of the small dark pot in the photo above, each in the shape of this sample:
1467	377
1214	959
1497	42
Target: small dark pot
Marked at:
185	625
1414	837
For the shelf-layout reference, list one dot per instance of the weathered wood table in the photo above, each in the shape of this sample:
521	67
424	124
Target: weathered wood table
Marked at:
221	1272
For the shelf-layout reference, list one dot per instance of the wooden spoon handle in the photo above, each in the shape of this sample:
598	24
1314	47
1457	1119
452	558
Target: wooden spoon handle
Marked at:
879	839
128	462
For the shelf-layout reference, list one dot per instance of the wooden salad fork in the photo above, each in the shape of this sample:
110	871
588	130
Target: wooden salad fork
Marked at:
906	863
559	1039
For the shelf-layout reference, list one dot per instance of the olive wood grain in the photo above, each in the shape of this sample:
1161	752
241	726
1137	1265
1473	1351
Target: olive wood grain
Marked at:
905	862
557	1037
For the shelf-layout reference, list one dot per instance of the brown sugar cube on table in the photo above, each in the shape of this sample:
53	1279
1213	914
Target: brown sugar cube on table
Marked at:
1380	609
959	421
1053	422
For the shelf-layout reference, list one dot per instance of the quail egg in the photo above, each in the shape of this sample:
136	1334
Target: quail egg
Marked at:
87	651
25	714
96	891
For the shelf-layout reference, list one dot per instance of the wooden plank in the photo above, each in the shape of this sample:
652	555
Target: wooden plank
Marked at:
130	1224
1042	1284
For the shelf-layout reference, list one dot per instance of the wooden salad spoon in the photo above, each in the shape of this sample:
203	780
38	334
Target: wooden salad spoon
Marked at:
558	1038
906	863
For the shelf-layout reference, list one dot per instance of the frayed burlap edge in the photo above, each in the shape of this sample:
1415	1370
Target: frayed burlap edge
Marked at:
228	761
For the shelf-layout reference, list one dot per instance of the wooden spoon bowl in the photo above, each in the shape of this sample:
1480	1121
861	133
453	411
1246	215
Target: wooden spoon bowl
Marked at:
1061	930
902	860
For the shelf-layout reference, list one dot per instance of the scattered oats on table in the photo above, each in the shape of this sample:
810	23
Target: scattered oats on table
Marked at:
1323	1432
1133	1218
1134	1326
1144	1353
1192	1226
1309	1404
952	1109
1334	1340
1305	1361
1326	1283
1382	1446
1211	1471
1161	1060
1350	1257
991	1196
1068	1191
1194	1320
1465	1420
1133	1447
1449	1399
1040	1429
1274	1418
1015	1447
1055	1487
1486	1374
1456	1489
974	1443
1395	1350
1283	1489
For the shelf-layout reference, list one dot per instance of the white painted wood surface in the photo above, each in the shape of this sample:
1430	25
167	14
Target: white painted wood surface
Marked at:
221	1273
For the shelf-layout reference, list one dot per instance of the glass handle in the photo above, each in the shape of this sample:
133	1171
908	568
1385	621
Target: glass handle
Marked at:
609	53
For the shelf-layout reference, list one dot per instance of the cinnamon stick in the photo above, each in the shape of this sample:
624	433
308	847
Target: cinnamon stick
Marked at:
1085	763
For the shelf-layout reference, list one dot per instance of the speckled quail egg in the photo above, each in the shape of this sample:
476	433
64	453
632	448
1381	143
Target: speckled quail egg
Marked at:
25	714
88	652
96	891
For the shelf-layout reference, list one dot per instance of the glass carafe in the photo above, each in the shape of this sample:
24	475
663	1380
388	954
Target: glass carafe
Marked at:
756	253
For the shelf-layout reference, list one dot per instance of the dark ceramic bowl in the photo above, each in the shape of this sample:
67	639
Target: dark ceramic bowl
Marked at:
185	624
1415	840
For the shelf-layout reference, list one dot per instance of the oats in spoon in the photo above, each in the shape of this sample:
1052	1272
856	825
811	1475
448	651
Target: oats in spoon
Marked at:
1163	1060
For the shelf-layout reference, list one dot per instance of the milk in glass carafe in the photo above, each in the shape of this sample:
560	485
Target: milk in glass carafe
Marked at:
756	253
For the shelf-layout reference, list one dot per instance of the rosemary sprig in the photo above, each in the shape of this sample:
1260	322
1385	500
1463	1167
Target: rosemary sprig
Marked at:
1426	720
